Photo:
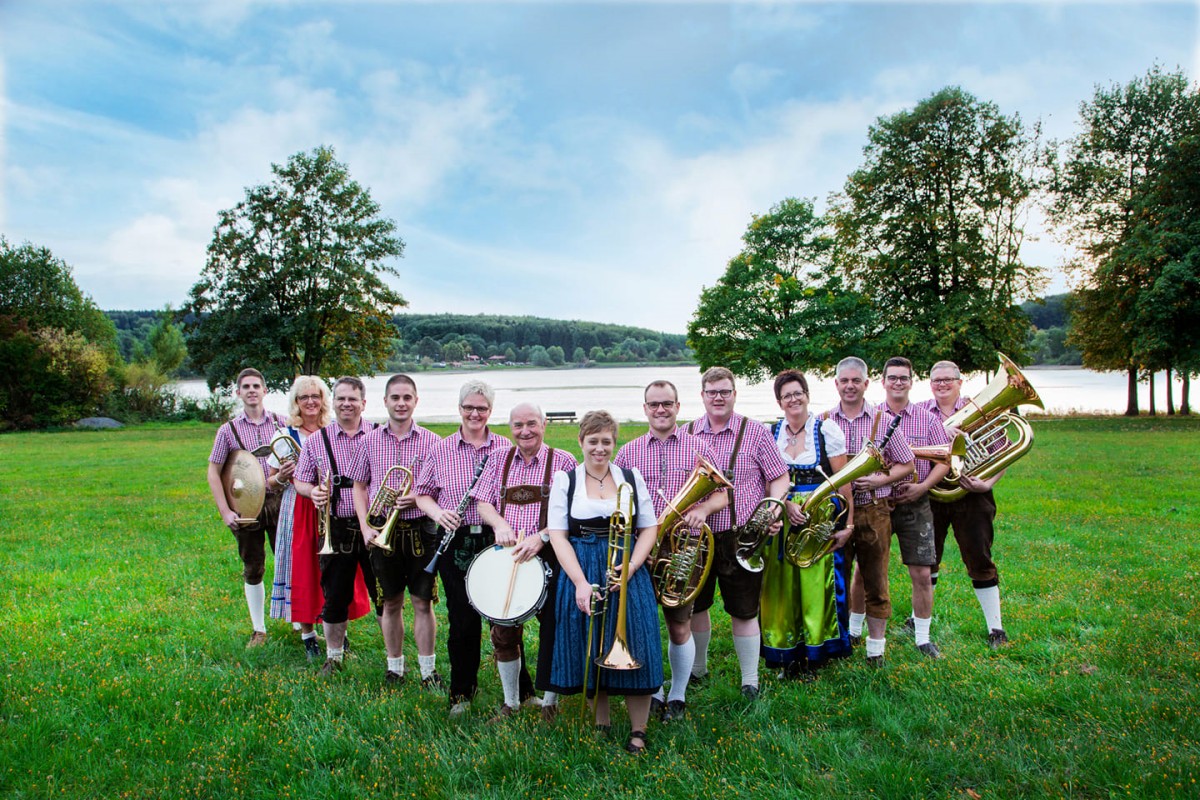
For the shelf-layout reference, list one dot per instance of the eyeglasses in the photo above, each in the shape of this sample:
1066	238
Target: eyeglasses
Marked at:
309	398
655	405
944	381
713	394
475	409
790	396
897	378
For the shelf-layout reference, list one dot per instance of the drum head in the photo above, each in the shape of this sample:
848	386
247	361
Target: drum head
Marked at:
488	581
245	486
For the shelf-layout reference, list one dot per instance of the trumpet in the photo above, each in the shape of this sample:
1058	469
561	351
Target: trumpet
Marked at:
325	518
384	500
682	556
752	537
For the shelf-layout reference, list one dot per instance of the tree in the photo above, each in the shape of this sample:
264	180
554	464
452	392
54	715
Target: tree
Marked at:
294	281
930	228
453	351
1126	134
779	304
557	356
166	347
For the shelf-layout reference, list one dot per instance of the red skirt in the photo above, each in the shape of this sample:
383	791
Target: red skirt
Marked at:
307	598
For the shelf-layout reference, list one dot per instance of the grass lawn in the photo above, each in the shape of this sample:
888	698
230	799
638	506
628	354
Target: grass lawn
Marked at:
125	674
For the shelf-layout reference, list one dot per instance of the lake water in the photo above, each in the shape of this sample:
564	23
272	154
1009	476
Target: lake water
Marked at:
619	391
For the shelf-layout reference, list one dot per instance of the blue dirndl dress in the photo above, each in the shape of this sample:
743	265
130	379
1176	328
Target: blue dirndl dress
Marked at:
804	613
589	540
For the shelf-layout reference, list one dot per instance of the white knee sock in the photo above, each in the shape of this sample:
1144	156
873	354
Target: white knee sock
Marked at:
921	630
747	648
700	662
396	665
681	657
875	647
428	664
256	596
510	681
989	601
856	623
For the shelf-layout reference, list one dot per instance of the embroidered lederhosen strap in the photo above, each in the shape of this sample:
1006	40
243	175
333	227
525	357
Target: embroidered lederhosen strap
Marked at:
737	448
525	493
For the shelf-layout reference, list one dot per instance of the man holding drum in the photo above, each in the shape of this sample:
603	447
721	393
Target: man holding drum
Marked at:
446	477
412	540
666	457
513	496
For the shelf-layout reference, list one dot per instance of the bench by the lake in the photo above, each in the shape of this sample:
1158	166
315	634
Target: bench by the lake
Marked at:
560	416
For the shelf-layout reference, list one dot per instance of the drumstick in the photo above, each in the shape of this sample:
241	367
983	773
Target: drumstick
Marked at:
512	582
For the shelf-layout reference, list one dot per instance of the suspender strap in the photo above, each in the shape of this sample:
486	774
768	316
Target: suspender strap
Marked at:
236	438
504	478
337	483
737	447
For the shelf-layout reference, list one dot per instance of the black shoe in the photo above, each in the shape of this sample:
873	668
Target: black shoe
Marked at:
433	683
697	680
393	678
676	709
346	653
657	707
800	671
875	662
855	641
750	692
997	638
909	626
930	649
312	649
330	667
636	743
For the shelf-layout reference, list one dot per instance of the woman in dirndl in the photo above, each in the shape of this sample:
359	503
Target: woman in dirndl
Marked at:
582	503
804	614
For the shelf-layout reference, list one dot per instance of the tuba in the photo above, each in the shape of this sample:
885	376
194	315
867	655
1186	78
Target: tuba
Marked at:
996	436
682	557
384	500
805	546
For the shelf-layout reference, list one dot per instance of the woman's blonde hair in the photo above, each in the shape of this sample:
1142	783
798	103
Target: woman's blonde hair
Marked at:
301	384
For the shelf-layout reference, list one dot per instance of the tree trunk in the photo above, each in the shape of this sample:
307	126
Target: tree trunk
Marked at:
1170	395
1153	410
1131	399
1184	407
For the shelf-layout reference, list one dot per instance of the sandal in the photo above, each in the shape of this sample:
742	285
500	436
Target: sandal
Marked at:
636	743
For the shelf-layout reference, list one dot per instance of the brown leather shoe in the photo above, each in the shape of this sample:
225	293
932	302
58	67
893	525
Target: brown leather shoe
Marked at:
257	639
504	713
330	667
549	712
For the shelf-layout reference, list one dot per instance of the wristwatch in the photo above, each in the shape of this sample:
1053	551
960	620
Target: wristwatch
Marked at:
545	536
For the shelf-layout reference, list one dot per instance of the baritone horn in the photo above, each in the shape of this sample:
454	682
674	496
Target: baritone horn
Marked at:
384	505
996	435
682	556
752	537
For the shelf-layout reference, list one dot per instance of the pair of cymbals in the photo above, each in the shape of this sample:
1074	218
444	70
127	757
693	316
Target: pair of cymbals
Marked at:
245	485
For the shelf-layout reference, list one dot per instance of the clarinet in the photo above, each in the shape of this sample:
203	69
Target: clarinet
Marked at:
887	436
448	535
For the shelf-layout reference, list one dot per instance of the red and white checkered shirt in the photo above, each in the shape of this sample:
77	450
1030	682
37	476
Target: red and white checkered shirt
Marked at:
447	473
383	450
758	463
857	431
665	464
920	429
314	460
931	405
521	473
253	435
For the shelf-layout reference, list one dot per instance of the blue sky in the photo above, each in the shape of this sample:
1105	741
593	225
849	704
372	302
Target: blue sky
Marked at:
587	161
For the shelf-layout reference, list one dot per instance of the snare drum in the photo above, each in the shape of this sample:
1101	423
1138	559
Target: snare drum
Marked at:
503	591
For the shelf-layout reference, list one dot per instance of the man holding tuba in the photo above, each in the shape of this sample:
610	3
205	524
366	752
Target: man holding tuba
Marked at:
971	516
513	495
250	430
745	450
870	544
912	517
401	442
666	457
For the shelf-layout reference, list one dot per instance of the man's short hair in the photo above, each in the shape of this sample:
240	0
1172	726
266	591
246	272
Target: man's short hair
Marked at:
660	385
532	406
350	380
248	372
898	361
946	365
399	377
714	374
852	362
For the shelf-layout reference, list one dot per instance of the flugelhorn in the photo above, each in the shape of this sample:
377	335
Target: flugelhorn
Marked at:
384	503
996	435
682	557
325	518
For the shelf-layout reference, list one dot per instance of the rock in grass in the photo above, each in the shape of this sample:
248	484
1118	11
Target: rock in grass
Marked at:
98	422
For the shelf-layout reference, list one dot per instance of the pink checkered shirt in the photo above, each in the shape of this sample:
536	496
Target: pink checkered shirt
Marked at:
858	429
447	473
314	460
253	434
758	463
932	406
665	463
383	450
528	473
920	429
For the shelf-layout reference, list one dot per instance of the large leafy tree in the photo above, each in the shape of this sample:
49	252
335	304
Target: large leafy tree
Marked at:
294	282
930	230
779	304
1098	201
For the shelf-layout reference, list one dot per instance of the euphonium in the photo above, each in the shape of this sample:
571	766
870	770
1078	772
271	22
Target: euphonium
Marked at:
325	518
803	547
386	499
682	557
996	435
620	535
752	537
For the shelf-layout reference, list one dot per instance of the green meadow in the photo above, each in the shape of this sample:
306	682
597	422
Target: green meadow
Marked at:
125	672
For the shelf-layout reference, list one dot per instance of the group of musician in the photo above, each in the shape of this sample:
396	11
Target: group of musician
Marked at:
476	491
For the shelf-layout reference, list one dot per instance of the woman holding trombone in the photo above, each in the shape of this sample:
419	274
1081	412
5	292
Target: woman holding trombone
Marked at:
601	524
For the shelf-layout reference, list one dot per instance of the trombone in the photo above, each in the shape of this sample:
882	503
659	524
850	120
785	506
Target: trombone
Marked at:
384	500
